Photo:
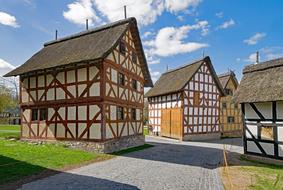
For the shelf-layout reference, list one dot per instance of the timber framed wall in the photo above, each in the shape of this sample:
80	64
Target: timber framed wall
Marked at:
230	112
201	104
199	101
81	100
263	129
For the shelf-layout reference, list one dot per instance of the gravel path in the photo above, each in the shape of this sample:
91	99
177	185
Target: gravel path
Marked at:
168	165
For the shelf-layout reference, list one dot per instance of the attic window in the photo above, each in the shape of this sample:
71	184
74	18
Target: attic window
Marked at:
134	84
122	48
133	113
230	119
121	79
228	91
134	57
120	111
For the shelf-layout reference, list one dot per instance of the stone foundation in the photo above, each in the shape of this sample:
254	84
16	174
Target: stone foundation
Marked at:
109	146
202	137
231	134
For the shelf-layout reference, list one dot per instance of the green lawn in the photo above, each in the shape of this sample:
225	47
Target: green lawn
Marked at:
243	173
267	176
9	131
145	131
10	127
19	159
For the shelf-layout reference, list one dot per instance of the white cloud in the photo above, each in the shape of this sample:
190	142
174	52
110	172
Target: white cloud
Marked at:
81	10
147	34
179	5
255	38
219	14
146	11
226	24
5	67
154	75
8	20
171	41
180	18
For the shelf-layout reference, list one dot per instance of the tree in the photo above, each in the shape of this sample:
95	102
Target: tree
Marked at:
6	99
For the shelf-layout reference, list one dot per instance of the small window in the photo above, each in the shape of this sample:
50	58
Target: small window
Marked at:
133	113
120	111
236	106
134	84
224	105
230	119
42	114
134	57
122	48
228	91
34	114
196	98
121	79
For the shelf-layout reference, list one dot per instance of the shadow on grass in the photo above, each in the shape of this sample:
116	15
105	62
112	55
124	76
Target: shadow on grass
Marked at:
12	177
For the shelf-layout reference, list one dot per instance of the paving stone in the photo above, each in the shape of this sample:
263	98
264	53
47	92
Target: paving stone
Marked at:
168	165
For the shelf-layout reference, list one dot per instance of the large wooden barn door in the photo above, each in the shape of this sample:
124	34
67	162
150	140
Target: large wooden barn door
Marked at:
171	123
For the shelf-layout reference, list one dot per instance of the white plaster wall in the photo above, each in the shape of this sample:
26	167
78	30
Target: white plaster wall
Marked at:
252	147
250	113
71	76
82	74
279	109
82	112
265	109
95	131
72	113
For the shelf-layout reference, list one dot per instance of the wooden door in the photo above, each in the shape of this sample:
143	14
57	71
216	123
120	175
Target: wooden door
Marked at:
171	123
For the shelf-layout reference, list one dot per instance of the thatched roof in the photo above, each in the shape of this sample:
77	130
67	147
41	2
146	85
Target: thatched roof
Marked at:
224	78
175	80
86	46
261	82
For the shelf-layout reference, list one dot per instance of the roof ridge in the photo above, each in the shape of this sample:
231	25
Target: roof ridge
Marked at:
278	62
229	73
183	66
87	32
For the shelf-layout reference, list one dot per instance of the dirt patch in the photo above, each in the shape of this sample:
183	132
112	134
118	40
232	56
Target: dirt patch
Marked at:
234	176
242	173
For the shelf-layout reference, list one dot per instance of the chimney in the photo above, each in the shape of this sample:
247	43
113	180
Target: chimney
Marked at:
125	11
86	24
56	34
257	58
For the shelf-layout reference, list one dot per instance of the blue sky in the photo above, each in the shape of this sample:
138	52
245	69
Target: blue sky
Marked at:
174	32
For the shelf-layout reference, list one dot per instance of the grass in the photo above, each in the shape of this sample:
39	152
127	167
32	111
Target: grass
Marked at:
20	159
145	131
9	131
134	149
267	176
10	127
243	173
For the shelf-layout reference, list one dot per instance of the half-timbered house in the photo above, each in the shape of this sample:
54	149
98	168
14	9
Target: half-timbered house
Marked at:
261	96
230	112
185	102
87	87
